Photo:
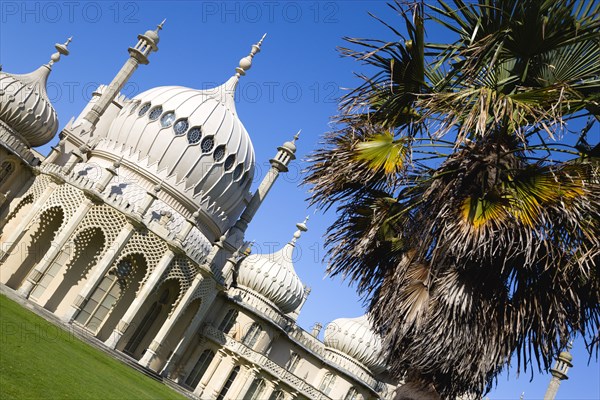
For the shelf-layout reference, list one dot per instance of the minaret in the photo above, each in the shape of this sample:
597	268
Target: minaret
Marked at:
559	372
227	90
285	154
138	54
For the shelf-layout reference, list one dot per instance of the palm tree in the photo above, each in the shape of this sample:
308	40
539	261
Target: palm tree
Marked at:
467	205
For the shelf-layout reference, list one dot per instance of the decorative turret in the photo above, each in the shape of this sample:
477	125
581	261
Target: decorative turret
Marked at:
273	275
226	92
355	338
559	372
285	154
138	54
191	139
24	103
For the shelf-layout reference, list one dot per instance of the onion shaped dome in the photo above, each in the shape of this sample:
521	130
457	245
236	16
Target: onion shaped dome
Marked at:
24	103
273	275
356	338
191	139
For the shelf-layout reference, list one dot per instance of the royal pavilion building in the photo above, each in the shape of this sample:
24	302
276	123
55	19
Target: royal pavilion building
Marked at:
132	231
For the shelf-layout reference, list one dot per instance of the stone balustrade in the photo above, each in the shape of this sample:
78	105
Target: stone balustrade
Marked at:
263	362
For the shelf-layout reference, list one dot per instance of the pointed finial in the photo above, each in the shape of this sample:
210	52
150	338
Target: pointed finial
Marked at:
301	228
246	62
160	26
158	187
61	49
291	146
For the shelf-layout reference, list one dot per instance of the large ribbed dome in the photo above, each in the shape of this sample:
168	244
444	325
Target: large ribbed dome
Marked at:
355	337
190	137
25	107
274	276
24	103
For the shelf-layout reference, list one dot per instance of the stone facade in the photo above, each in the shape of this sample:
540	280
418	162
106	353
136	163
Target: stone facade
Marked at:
132	230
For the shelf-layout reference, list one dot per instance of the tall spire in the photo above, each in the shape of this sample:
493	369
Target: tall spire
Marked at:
301	228
147	43
225	92
246	62
61	49
279	163
559	372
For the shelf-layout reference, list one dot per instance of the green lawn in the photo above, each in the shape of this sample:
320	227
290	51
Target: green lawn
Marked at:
41	361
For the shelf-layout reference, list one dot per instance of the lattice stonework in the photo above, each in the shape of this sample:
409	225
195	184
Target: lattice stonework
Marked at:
184	271
31	195
28	199
148	244
205	290
46	218
109	220
66	197
39	185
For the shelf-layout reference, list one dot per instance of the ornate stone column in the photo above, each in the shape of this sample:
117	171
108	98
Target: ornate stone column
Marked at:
220	377
15	236
244	381
166	328
76	157
140	299
269	389
190	330
100	270
221	354
57	244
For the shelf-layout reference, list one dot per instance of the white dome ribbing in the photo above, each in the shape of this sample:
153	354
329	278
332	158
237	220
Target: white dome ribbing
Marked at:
356	338
273	275
24	103
192	139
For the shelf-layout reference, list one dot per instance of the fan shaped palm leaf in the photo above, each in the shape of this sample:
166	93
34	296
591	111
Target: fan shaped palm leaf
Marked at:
462	202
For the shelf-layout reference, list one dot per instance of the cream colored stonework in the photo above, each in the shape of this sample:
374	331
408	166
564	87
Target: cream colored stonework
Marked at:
141	243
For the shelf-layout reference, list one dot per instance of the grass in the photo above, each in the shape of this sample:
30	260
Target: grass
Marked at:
41	361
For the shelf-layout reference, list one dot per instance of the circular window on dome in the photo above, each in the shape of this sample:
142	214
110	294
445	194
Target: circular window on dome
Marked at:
181	126
238	171
167	119
229	162
207	144
219	153
244	180
144	110
155	113
133	107
194	135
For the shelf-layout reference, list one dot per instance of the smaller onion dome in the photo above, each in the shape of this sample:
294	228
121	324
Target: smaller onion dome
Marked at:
565	356
291	146
273	275
153	34
356	338
24	103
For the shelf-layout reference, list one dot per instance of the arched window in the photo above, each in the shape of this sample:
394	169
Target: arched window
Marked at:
146	323
256	390
252	335
6	169
200	368
228	383
228	321
277	395
105	296
352	394
327	383
292	363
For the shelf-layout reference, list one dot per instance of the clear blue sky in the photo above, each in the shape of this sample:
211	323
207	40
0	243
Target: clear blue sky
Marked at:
293	84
